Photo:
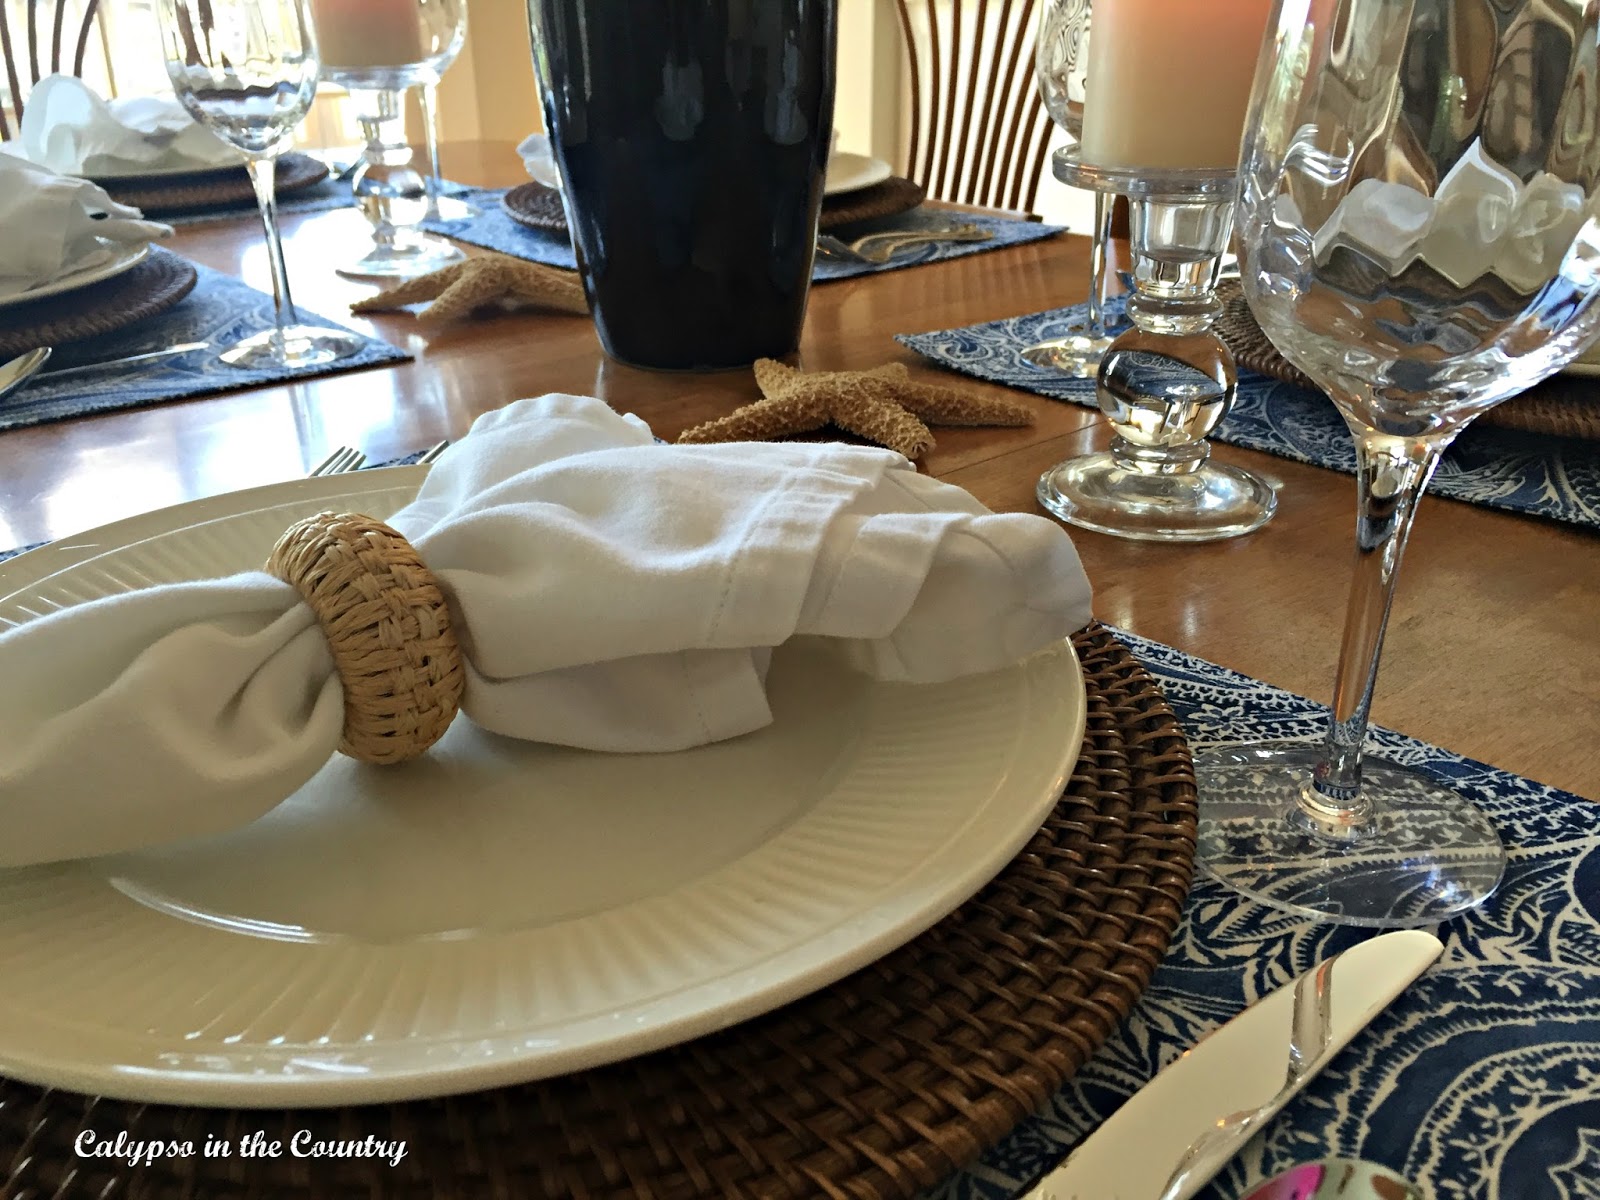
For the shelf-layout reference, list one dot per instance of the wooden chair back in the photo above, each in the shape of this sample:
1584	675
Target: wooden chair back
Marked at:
979	129
53	40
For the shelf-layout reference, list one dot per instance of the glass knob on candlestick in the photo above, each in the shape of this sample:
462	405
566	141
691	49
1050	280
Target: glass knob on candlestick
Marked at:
392	195
1166	383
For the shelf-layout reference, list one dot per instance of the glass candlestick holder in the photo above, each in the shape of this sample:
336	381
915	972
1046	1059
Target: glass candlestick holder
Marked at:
1165	383
390	192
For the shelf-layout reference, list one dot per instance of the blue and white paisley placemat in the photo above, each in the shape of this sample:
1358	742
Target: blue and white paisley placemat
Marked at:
493	229
1481	1082
1525	473
220	310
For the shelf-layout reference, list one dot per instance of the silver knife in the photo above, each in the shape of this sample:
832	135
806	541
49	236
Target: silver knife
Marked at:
50	373
1183	1126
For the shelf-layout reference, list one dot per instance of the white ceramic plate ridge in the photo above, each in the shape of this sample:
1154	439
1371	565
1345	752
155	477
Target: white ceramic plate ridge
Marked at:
851	172
501	911
124	257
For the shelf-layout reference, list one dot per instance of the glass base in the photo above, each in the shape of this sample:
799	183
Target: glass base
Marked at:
1424	855
1212	502
295	346
406	256
1077	355
450	208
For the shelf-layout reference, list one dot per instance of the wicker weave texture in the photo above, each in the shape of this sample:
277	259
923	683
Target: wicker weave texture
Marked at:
164	194
388	628
876	1087
539	207
152	287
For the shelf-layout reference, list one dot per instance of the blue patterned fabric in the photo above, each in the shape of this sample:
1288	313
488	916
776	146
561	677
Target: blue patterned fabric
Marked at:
1481	1081
1525	473
493	229
221	309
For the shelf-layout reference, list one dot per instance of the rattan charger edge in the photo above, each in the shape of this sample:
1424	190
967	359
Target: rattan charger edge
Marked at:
874	1088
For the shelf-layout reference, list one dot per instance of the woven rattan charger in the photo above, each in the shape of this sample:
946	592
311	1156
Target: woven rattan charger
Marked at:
877	1086
539	207
155	285
1564	406
161	195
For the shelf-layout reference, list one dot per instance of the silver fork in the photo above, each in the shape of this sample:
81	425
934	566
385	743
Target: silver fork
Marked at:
345	458
879	248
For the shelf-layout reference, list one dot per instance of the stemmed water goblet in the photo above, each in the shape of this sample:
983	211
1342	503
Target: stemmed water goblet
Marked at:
447	22
376	50
1417	234
247	70
1060	69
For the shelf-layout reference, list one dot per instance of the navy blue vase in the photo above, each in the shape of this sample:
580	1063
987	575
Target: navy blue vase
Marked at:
691	136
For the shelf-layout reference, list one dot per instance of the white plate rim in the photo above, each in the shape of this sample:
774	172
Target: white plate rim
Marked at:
958	870
862	171
128	257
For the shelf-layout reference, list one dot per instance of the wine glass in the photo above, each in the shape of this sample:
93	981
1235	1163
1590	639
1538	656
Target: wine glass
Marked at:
375	50
247	70
447	22
1060	64
1418	234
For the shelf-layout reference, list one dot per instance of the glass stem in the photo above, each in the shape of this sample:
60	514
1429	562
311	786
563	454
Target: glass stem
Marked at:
1099	277
430	134
262	175
1391	473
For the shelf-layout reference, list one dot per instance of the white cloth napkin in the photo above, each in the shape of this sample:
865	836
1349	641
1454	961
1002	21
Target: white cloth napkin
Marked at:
51	224
68	128
538	160
610	592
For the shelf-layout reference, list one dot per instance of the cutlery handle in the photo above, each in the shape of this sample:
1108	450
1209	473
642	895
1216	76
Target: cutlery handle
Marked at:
152	356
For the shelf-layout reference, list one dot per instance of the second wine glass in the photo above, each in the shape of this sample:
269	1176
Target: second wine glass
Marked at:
248	70
1061	69
1418	235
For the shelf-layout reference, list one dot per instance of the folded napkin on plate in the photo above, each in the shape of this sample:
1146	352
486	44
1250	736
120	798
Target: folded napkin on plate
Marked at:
609	593
538	161
53	224
68	128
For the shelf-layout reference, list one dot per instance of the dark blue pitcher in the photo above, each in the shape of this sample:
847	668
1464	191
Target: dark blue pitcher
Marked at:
692	136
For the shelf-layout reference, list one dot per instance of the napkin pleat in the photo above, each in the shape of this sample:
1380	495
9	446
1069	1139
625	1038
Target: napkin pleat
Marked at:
107	734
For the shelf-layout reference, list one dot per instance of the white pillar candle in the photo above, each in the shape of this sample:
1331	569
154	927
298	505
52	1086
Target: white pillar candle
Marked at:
1169	81
368	33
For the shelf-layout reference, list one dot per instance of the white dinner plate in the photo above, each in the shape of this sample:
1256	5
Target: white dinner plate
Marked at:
500	911
852	172
124	258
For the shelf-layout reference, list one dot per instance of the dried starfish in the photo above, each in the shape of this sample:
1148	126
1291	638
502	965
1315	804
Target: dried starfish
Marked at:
486	279
884	405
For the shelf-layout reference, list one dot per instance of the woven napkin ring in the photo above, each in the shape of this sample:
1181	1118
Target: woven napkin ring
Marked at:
388	627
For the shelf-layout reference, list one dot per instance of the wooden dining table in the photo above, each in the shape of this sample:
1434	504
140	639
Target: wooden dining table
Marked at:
1494	643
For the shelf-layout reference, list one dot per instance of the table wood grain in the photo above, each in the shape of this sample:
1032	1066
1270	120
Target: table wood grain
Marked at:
1494	645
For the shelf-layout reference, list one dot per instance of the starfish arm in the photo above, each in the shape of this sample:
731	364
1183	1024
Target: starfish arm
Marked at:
952	406
759	421
886	424
773	377
549	288
470	290
423	287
